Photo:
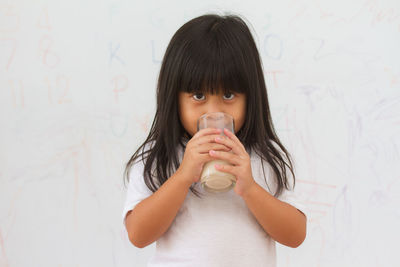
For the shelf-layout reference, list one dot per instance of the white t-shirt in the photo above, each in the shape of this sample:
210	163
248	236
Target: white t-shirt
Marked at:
215	230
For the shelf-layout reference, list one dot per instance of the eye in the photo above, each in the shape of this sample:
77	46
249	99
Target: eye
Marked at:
198	96
229	96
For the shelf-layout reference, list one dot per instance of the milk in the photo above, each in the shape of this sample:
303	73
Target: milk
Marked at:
213	180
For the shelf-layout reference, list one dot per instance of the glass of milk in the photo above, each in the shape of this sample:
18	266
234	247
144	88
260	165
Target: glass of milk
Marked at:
211	179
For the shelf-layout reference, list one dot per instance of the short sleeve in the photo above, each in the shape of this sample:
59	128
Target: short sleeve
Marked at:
137	189
291	195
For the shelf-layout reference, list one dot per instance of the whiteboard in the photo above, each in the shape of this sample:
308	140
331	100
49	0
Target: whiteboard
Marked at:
77	85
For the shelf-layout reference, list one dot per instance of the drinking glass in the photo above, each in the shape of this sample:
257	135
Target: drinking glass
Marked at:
211	179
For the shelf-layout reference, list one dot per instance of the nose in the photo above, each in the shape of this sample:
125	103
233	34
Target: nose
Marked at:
214	105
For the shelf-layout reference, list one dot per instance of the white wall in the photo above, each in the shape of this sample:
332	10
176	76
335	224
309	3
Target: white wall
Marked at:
77	96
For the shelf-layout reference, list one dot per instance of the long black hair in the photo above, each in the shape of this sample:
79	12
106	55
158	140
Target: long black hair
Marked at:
208	54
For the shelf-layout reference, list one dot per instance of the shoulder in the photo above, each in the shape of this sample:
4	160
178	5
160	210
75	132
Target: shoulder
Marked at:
137	165
143	151
255	153
136	174
277	147
282	162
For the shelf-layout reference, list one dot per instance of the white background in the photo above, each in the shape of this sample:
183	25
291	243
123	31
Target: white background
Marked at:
77	96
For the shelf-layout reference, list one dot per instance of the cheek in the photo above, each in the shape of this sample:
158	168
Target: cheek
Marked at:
240	117
239	123
188	120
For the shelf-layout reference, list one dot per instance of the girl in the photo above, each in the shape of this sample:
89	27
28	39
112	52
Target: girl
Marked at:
212	65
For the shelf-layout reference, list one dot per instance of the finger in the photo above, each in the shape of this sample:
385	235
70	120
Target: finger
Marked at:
206	139
212	146
233	137
226	168
207	131
226	156
229	143
204	158
220	147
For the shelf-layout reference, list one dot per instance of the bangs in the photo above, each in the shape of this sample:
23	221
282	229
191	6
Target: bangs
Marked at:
212	64
213	76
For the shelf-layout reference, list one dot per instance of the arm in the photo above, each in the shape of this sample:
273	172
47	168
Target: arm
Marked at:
153	215
283	222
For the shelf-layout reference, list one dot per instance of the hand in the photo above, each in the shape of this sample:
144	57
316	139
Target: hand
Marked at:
239	159
197	153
